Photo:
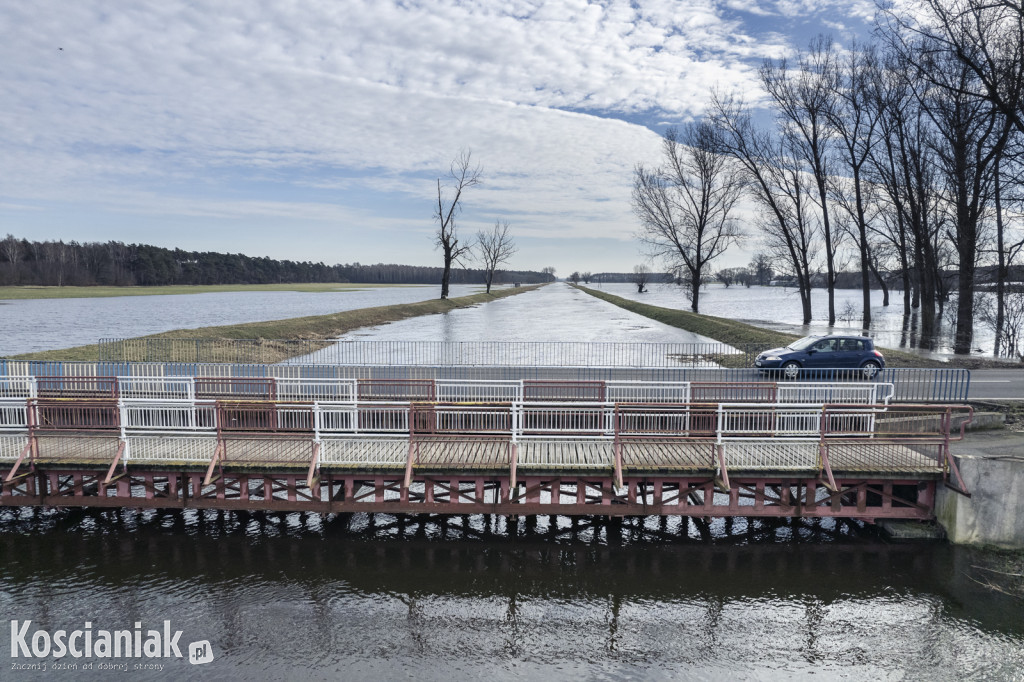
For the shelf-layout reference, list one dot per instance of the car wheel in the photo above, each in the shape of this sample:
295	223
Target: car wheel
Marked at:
791	370
869	370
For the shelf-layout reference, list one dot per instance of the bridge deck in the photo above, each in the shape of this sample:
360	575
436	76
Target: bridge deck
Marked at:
547	456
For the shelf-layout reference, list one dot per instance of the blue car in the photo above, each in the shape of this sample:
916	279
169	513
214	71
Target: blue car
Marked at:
851	353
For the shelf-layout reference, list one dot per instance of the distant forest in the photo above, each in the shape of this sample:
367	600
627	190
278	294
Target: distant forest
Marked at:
24	262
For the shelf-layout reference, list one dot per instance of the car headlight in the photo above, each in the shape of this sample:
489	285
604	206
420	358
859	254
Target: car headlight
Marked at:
772	358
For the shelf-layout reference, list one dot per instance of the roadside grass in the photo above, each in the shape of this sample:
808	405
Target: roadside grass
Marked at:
737	334
17	293
318	331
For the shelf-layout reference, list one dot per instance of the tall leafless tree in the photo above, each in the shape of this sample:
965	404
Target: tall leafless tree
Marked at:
853	118
903	164
463	175
805	98
686	206
776	180
494	248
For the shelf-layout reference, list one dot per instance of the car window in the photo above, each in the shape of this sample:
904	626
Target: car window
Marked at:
803	343
826	346
853	345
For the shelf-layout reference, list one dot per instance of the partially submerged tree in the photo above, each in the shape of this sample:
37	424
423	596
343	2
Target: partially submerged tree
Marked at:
494	248
686	206
641	276
805	99
463	176
777	182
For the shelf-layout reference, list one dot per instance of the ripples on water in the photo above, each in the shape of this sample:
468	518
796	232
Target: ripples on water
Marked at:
360	597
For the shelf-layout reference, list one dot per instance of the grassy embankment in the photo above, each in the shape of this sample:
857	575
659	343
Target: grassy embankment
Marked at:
318	330
735	333
32	292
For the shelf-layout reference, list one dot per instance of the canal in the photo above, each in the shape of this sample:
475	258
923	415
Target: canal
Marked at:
359	597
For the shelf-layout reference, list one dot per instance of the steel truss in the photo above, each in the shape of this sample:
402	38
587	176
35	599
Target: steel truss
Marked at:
864	499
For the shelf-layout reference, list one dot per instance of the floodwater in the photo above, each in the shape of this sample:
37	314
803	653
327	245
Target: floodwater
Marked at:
47	324
286	597
555	312
779	308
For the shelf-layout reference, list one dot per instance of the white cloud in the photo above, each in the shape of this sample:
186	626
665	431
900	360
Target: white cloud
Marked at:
174	108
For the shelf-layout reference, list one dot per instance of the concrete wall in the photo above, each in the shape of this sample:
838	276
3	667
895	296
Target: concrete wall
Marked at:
994	514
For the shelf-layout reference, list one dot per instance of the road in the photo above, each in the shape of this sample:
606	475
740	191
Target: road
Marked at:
997	384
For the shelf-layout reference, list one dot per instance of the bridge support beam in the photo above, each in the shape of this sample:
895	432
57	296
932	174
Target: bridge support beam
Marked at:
477	494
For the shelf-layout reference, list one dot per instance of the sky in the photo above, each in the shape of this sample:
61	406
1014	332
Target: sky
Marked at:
317	130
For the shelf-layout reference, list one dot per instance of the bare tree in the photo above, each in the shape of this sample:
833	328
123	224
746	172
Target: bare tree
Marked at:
986	36
805	99
463	176
641	276
761	268
686	206
494	248
854	119
776	181
575	277
550	272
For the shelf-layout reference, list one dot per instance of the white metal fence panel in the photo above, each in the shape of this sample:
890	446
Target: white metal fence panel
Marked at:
468	391
171	448
13	414
18	387
862	394
173	388
168	415
327	390
647	391
580	419
11	446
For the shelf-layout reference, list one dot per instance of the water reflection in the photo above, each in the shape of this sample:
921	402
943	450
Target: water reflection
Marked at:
384	597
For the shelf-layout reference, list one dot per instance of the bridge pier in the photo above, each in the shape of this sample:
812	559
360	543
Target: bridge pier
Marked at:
994	513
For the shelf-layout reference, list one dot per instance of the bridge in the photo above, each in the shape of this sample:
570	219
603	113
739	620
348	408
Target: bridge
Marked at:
146	435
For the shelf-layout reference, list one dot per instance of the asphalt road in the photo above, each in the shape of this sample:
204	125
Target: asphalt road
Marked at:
996	384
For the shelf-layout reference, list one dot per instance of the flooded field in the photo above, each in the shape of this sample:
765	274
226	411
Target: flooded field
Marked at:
779	308
47	324
359	597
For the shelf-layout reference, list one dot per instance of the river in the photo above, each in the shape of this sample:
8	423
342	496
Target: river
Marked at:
360	597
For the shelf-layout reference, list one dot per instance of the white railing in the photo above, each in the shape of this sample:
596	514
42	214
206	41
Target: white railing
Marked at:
648	391
167	416
18	387
172	388
725	421
13	414
494	391
319	390
863	393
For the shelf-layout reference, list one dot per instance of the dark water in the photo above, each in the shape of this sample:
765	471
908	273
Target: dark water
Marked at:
301	597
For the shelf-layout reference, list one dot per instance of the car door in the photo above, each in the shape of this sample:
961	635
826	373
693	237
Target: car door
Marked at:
849	352
823	354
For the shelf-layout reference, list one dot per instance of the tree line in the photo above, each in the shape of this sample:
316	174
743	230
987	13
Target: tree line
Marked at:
902	155
113	263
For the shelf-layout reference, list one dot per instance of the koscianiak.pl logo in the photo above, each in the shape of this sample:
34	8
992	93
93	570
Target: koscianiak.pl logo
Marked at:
131	649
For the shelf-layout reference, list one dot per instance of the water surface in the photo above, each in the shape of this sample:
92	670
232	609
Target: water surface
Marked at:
360	597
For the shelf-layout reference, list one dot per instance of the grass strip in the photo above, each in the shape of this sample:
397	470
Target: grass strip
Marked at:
317	331
754	339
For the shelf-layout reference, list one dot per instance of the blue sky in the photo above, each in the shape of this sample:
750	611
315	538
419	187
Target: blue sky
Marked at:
317	130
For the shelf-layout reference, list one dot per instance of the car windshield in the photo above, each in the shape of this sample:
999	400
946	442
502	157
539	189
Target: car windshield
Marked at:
804	343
